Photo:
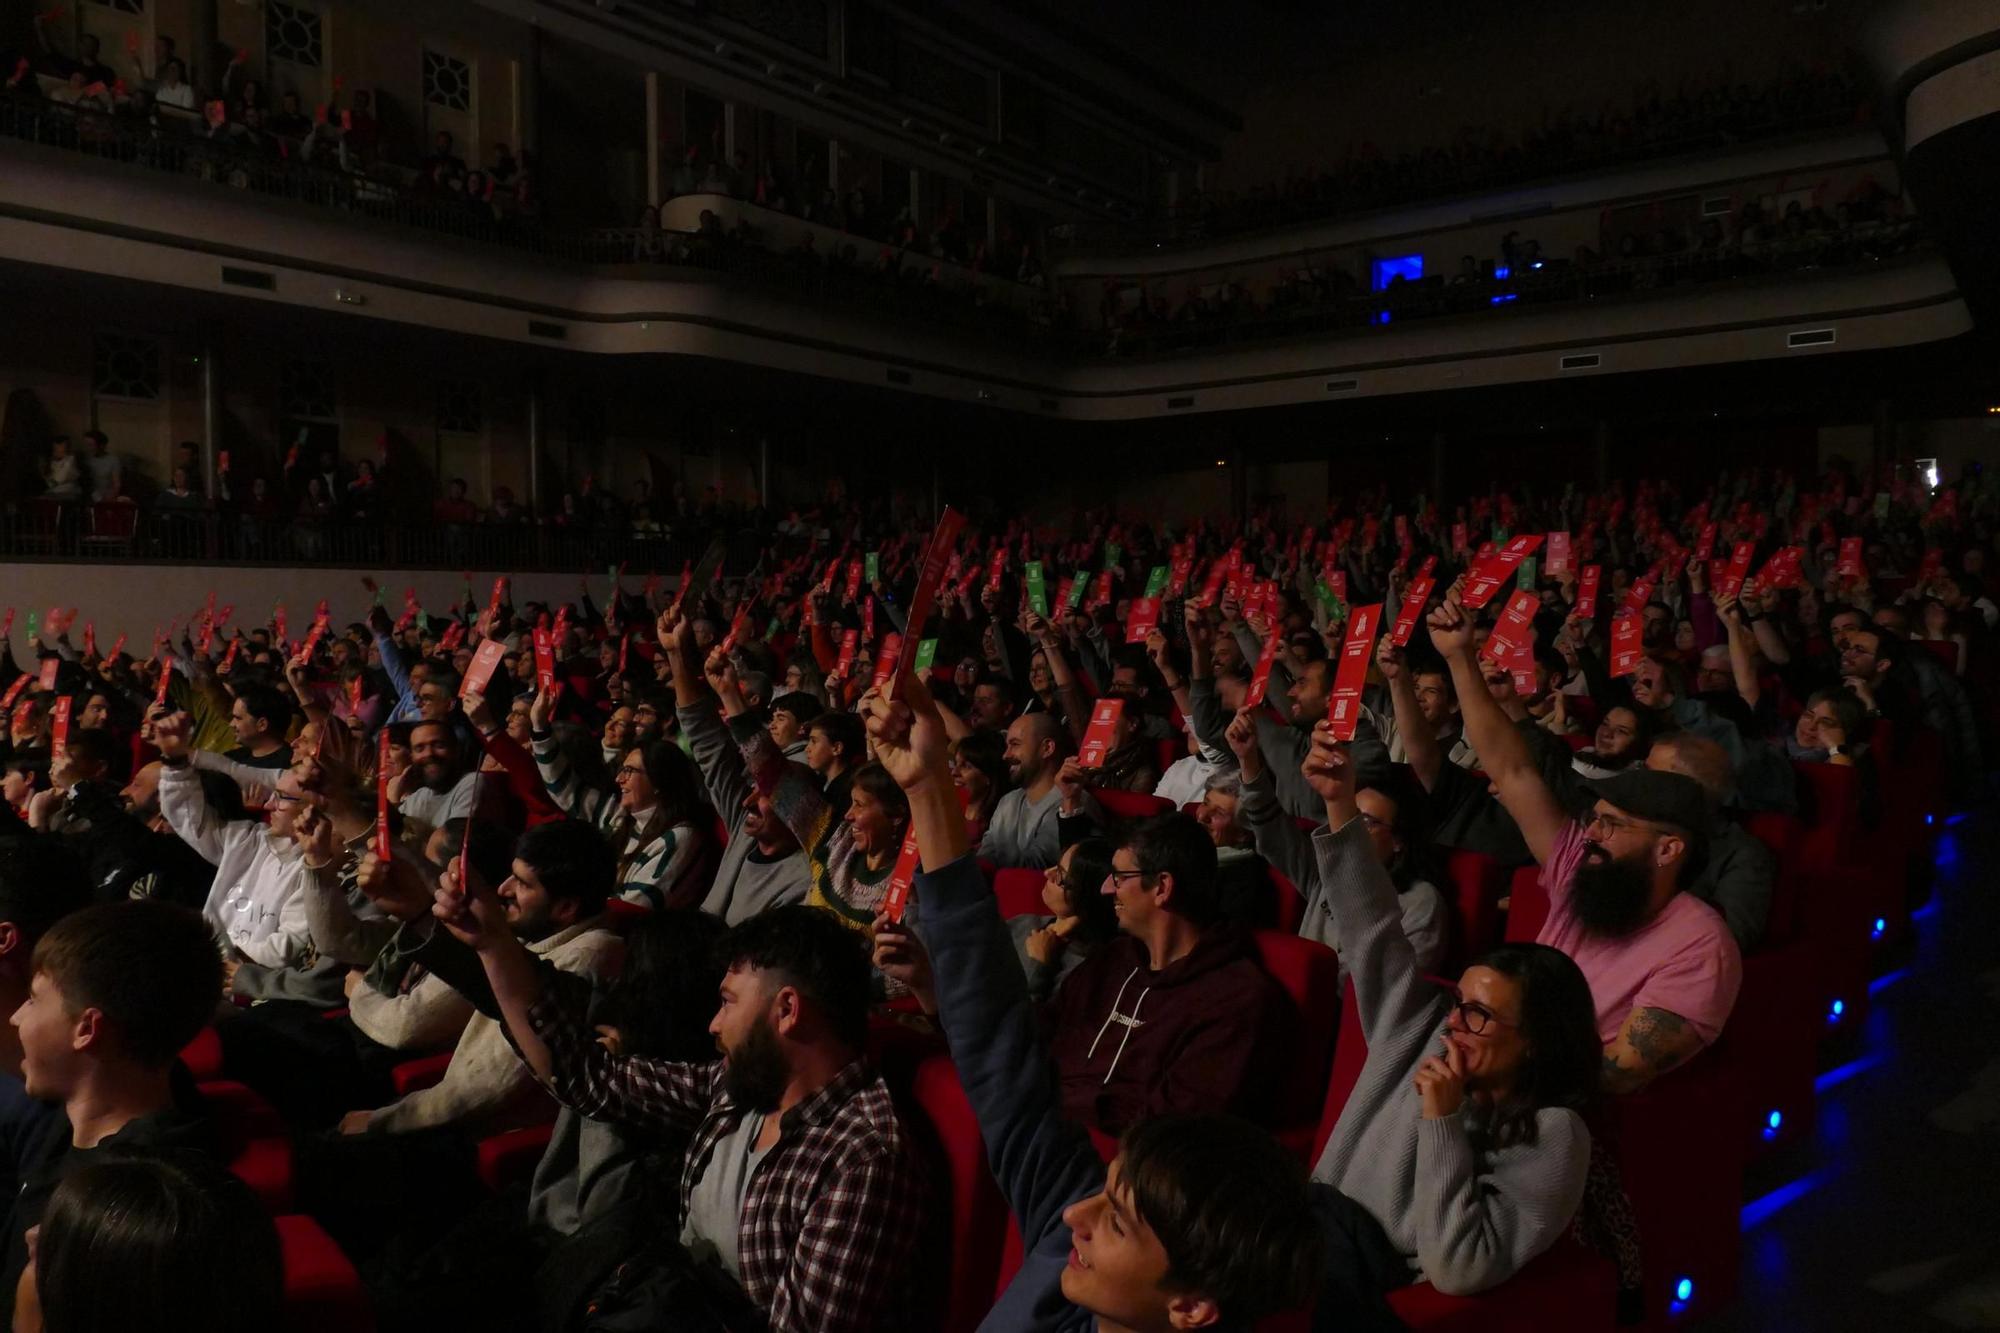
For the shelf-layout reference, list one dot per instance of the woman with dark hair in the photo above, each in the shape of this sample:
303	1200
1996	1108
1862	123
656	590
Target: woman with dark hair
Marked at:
147	1241
1085	916
1462	1152
979	768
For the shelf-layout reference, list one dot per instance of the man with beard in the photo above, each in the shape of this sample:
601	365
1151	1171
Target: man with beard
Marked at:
437	787
1024	828
799	1186
1662	965
259	718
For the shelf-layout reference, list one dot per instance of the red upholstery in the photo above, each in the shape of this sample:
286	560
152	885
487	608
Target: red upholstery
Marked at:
1288	904
203	1056
240	1112
1833	820
416	1075
1772	1048
1580	740
1171	750
1943	649
323	1293
1568	1288
253	1141
977	1214
1350	1050
1527	905
1130	804
1309	972
620	912
1474	885
1781	833
1019	892
265	1165
506	1158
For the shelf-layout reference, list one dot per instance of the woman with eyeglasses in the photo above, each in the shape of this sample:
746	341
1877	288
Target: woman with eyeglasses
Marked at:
1461	1153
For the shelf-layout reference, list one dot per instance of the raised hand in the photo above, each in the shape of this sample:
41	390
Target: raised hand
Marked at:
901	956
398	888
1451	626
907	733
171	735
1326	769
1388	658
468	908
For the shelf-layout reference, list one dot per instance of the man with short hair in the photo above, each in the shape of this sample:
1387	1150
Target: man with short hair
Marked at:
1742	872
995	701
1662	965
260	719
1437	703
800	1187
1024	830
107	474
437	787
117	991
835	747
1200	1222
1913	689
791	714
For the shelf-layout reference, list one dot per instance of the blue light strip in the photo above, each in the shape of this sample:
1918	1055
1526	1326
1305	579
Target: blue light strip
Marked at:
1887	979
1758	1211
1833	1078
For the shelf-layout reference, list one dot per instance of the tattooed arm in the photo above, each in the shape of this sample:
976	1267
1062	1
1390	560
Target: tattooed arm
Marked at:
1652	1042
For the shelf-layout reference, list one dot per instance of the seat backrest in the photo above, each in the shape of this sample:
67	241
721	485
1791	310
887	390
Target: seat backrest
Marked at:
1131	804
1944	650
1290	906
1474	886
1309	974
1019	892
1350	1050
973	1206
1527	905
1833	820
1780	833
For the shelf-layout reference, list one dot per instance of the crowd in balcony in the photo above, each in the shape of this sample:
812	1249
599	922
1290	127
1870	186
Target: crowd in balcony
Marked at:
1696	116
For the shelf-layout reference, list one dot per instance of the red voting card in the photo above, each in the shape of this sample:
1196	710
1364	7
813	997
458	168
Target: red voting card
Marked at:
997	570
499	596
50	665
480	673
1097	737
160	694
59	735
1515	629
14	690
1636	596
1183	568
1344	704
545	659
1558	558
382	797
885	659
1428	568
1786	569
850	644
1412	610
1491	571
737	628
853	579
1587	580
1218	574
1260	681
1626	649
1739	569
1143	619
1457	537
902	878
928	577
868	621
1520	665
229	655
1704	546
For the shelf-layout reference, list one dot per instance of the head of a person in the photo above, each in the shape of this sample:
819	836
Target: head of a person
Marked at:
658	774
123	985
1164	864
1622	735
878	812
796	984
1526	1027
978	765
1035	748
666	988
791	713
96	755
1869	653
26	772
994	703
1128	680
563	871
1695	757
260	716
618	728
1204	1222
1713	674
1830	717
1217	813
520	720
1893	618
1645	840
1656	624
763	825
1308	694
1655	683
835	743
434	755
435	697
138	1233
1074	887
1436	699
1393	811
1842	622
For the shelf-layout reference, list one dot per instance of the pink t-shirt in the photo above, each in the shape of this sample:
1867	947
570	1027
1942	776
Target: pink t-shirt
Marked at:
1684	960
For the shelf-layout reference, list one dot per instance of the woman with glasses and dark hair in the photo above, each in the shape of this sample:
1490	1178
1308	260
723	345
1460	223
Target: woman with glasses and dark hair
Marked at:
1461	1153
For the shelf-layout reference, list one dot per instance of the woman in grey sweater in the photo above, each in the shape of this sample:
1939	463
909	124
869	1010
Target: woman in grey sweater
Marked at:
1461	1152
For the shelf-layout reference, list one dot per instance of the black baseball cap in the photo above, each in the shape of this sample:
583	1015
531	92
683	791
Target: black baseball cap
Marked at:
1674	799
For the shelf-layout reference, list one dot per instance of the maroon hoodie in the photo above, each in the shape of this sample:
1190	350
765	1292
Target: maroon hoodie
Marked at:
1195	1036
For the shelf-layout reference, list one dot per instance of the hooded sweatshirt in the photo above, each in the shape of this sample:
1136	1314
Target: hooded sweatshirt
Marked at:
1196	1036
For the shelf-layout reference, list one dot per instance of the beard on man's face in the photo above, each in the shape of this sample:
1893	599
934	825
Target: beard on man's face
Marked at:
756	1073
1609	895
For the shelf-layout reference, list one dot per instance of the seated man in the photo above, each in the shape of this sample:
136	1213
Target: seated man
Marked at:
1437	704
118	990
553	901
800	1185
1201	1222
1024	828
260	717
1742	872
41	882
437	787
791	714
1661	963
1284	743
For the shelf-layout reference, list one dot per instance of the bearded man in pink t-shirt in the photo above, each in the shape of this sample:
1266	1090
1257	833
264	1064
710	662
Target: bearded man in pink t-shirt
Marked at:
1663	968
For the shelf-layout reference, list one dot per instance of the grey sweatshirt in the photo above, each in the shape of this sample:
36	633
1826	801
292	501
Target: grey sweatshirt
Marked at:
1024	833
744	884
1468	1219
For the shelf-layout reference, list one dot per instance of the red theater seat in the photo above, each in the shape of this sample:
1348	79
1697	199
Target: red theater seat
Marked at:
1130	804
506	1158
1019	892
416	1075
323	1293
253	1141
1568	1288
1474	885
203	1056
1309	972
977	1214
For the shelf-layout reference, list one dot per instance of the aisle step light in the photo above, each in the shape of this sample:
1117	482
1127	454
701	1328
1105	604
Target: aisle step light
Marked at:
1879	929
1839	1008
1772	1122
1683	1295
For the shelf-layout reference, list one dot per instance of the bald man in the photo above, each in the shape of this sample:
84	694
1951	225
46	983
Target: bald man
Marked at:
1024	830
1741	871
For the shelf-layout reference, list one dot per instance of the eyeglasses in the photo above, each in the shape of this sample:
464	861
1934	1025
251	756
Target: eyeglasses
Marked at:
1614	825
1371	823
1119	876
630	772
1476	1017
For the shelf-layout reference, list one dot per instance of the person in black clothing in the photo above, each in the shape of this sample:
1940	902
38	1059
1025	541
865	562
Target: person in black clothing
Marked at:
260	717
116	992
132	853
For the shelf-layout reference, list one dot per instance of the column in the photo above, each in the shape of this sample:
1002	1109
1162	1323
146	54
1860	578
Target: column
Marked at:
652	139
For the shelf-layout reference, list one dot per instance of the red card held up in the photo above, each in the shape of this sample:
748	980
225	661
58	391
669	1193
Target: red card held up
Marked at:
50	665
1491	571
902	878
1260	681
936	556
382	797
1587	580
1344	704
1850	559
1515	629
1558	558
1143	619
59	734
479	674
1412	609
1097	737
545	660
1626	648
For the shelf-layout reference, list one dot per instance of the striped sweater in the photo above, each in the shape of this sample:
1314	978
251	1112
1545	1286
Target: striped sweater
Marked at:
659	863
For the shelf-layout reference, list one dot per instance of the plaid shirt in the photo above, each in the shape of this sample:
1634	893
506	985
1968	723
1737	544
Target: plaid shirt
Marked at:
832	1216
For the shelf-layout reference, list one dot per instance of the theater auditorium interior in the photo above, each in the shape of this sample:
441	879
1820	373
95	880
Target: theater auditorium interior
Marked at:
879	666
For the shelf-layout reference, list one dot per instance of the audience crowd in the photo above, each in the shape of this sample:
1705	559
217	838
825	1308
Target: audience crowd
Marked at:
660	893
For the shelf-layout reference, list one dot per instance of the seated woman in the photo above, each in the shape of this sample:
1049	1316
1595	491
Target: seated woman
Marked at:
1462	1151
